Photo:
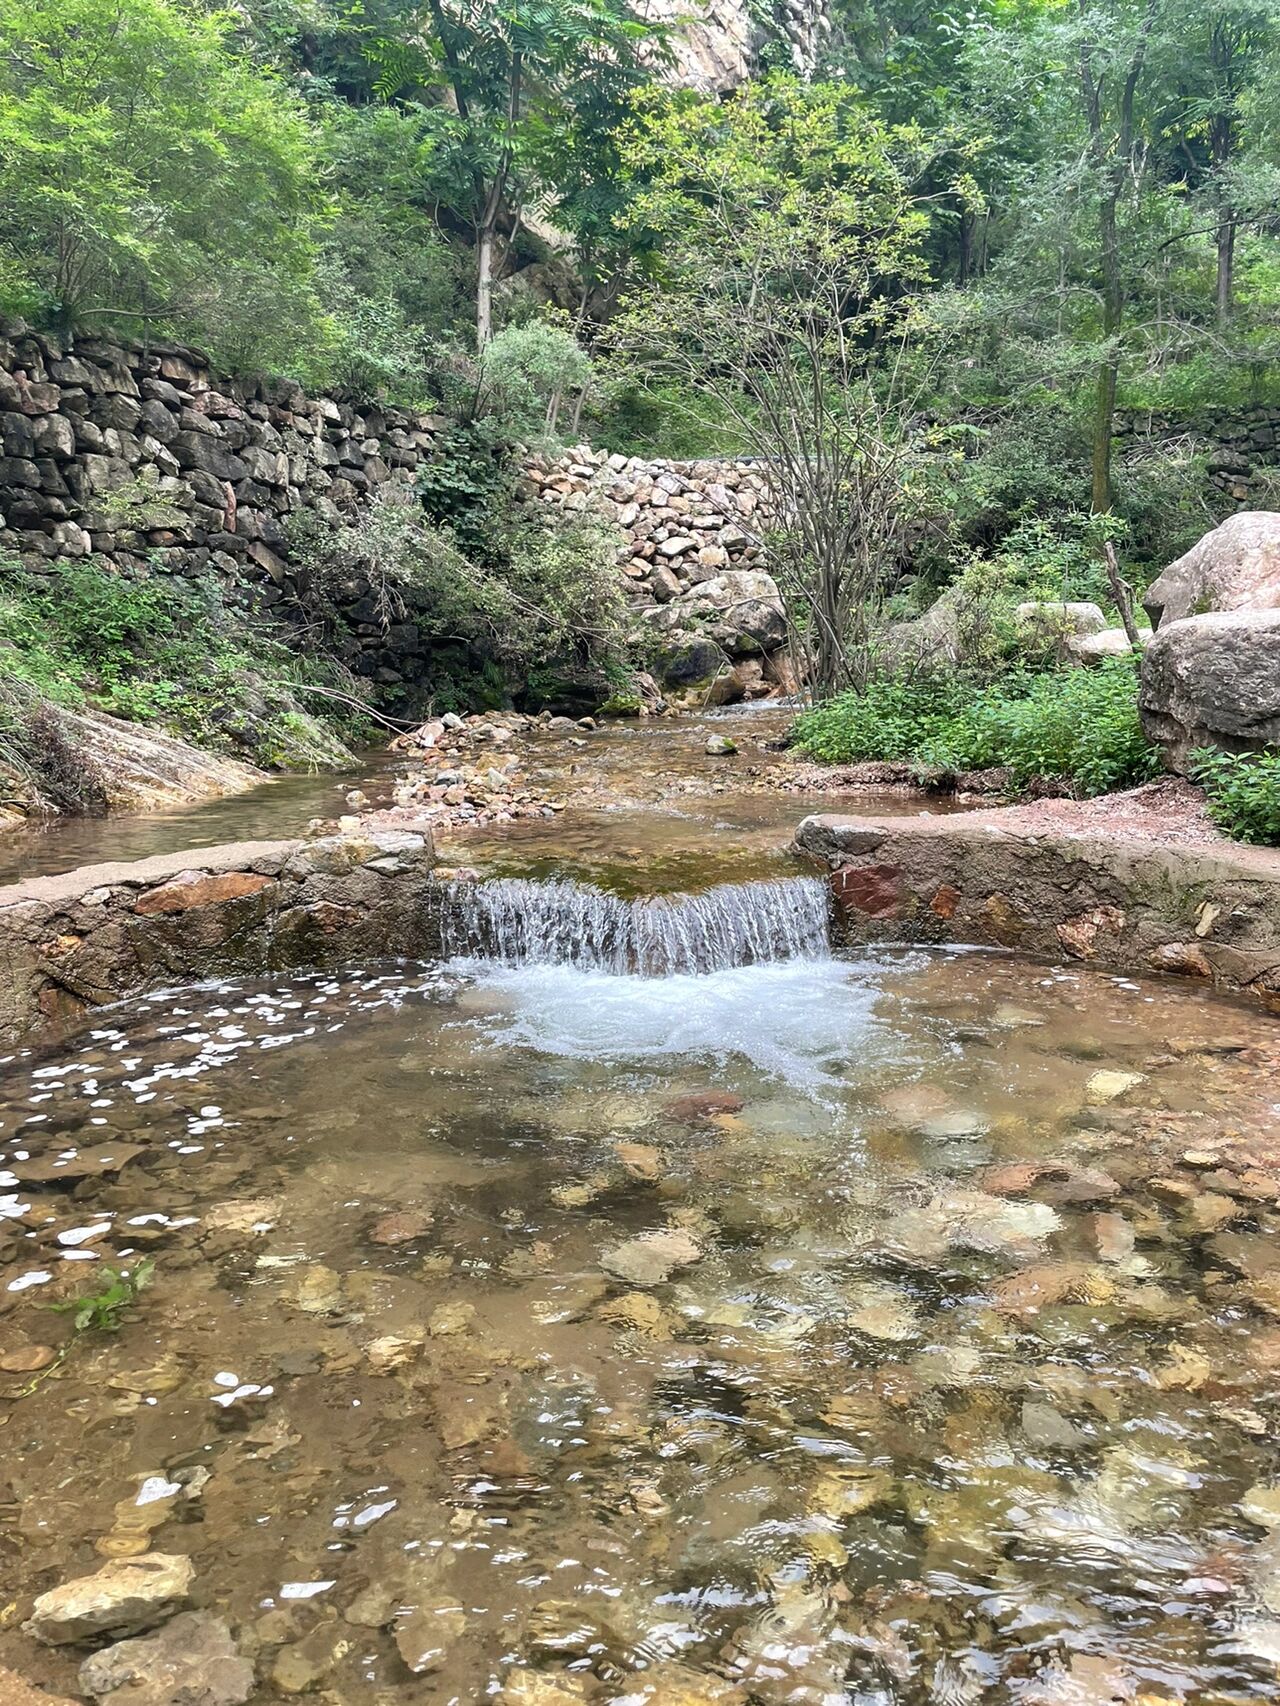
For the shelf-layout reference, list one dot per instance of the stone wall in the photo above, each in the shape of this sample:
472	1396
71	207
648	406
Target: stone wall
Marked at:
682	522
1129	905
693	562
96	935
1244	443
230	461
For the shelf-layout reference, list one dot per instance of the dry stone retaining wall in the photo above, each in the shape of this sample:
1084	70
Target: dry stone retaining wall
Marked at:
682	522
225	462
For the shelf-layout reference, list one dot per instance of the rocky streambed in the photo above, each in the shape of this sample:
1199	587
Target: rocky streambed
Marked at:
644	1301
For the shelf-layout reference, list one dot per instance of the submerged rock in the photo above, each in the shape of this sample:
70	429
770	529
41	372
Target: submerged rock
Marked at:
123	1597
299	1667
652	1257
1104	1087
534	1688
192	1661
424	1635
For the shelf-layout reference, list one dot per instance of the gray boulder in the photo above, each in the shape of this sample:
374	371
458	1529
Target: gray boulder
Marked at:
741	610
1235	567
1212	680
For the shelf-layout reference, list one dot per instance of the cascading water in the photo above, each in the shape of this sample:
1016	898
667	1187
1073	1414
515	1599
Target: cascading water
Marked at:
521	923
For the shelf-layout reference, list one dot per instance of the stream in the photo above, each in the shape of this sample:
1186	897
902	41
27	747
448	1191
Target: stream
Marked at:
648	1302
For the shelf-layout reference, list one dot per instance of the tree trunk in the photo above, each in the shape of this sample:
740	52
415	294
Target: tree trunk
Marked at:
1226	243
484	286
1104	408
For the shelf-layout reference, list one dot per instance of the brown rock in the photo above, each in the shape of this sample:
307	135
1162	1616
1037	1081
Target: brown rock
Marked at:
874	890
703	1104
945	901
402	1227
27	1359
1079	935
1005	924
192	889
1182	959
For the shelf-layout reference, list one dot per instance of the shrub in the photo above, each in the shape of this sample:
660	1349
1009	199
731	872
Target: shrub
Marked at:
889	720
542	599
1078	726
159	650
1242	792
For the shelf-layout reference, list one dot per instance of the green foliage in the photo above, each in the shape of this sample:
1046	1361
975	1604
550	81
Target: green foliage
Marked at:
543	597
159	650
526	372
1242	791
118	1290
140	158
1079	726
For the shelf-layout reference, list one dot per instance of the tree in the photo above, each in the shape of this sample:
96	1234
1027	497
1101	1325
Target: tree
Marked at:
140	156
1212	57
527	85
786	285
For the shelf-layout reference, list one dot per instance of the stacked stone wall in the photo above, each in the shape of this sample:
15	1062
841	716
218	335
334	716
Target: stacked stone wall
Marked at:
217	466
682	522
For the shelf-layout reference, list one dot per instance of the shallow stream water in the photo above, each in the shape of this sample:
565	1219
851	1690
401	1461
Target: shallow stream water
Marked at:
736	1322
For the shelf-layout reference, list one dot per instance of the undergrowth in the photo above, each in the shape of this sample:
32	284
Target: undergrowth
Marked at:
1242	792
1077	726
162	651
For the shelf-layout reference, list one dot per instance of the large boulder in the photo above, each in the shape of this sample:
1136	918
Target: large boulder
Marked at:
1213	680
1235	567
741	610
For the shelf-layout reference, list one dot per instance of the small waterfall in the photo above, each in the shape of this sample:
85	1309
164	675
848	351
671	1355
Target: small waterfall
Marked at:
563	923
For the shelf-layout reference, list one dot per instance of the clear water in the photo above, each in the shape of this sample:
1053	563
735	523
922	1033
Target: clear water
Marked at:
949	1379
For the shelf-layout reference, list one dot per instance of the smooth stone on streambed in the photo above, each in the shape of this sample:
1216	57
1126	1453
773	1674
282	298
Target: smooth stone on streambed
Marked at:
1261	1505
123	1597
652	1257
192	1660
720	746
1107	1086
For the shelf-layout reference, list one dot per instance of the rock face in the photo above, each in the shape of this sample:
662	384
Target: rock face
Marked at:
122	1598
1213	681
1235	567
1211	675
144	770
192	1661
715	45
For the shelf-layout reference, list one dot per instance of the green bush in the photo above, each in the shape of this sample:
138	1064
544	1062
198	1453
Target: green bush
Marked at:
1242	791
1078	726
165	651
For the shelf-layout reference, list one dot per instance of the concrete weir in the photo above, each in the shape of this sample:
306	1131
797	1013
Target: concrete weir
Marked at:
1125	904
98	934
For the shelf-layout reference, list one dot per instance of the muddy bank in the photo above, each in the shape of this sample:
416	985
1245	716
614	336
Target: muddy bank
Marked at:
72	942
1132	883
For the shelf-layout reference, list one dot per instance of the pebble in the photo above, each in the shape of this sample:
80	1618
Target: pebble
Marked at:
27	1359
450	1320
1106	1086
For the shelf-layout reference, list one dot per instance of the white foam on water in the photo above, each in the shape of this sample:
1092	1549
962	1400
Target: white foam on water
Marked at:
794	1020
